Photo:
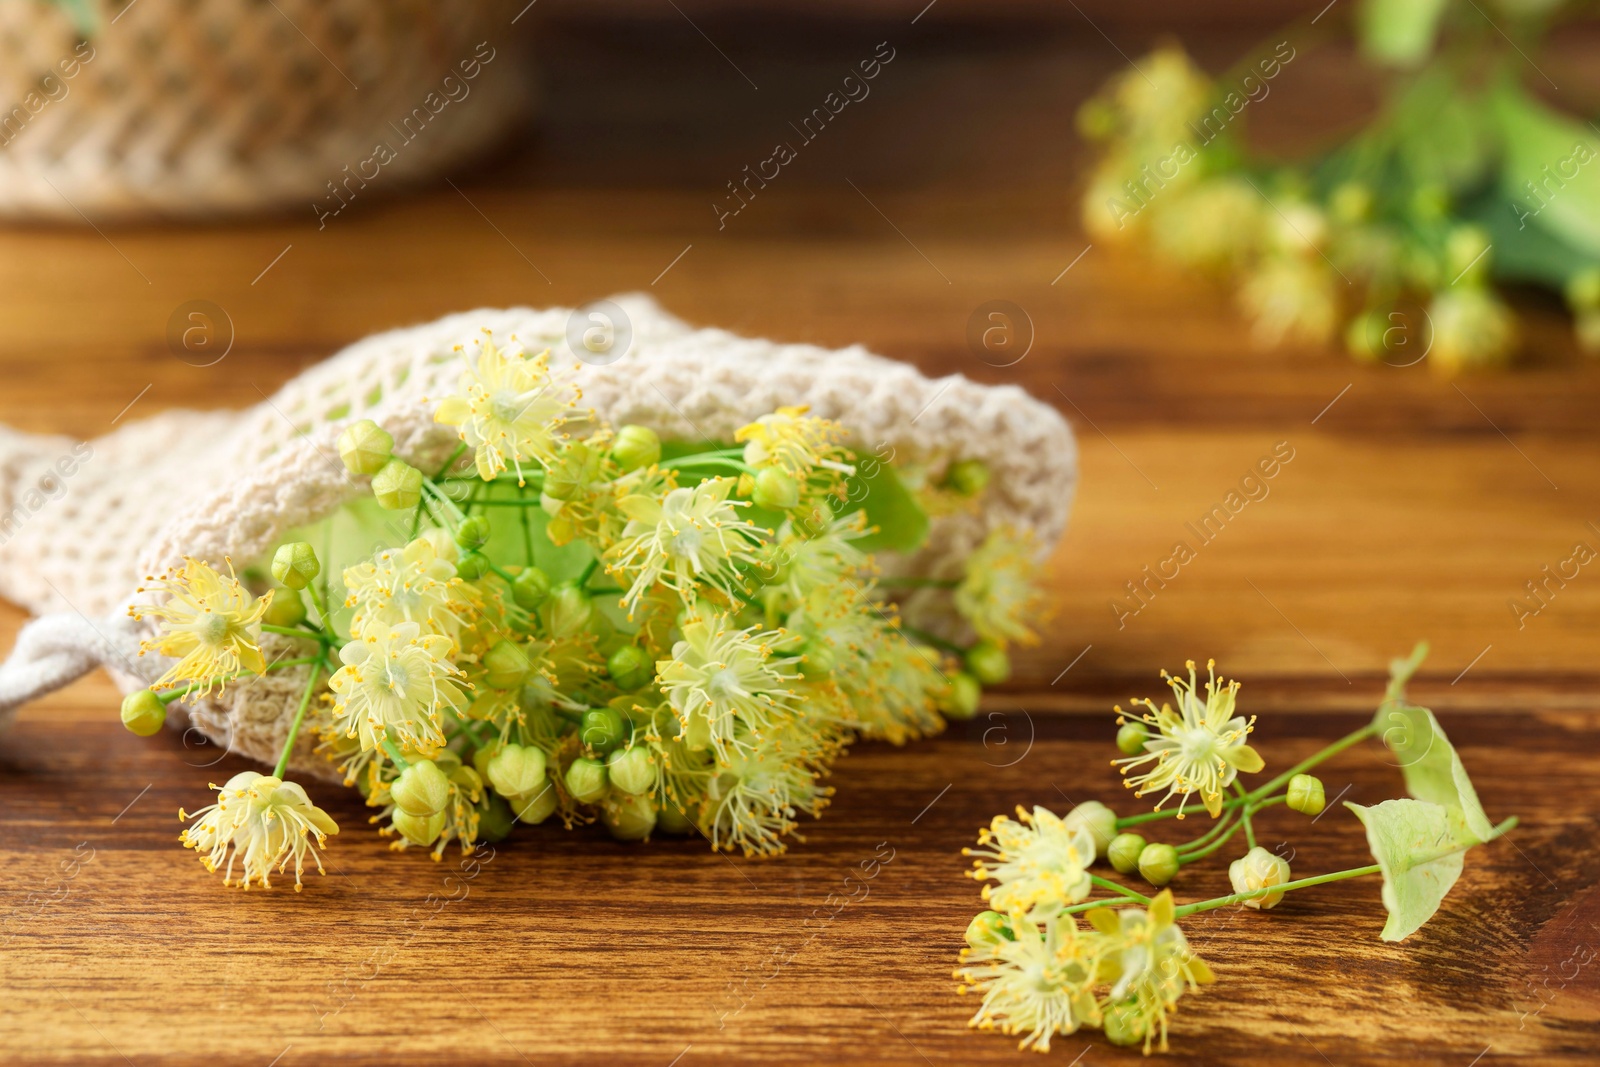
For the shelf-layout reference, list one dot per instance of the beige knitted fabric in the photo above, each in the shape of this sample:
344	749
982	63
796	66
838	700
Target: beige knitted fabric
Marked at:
230	484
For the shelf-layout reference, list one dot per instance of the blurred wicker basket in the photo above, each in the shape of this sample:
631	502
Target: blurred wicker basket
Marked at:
211	107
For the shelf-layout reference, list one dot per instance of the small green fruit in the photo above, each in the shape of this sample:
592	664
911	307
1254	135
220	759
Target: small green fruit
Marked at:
586	780
143	713
1123	852
397	486
531	588
1158	864
635	447
630	770
630	667
295	565
365	447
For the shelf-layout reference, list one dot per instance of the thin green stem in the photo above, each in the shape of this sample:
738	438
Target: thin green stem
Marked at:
291	631
451	462
1102	903
276	665
1302	883
1150	816
1202	853
1217	827
394	753
319	600
527	531
299	717
583	579
1106	883
690	462
930	639
1311	761
918	583
1244	816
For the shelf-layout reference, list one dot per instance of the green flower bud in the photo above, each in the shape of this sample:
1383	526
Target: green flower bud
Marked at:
1099	820
1123	1024
495	819
422	789
531	588
516	770
775	490
988	928
1123	852
1351	202
969	477
630	770
635	447
568	609
1158	864
398	486
988	663
817	661
365	447
602	729
1466	254
506	665
534	808
586	779
1583	290
961	702
1306	794
1258	869
286	609
1131	738
421	830
295	565
481	757
630	667
628	817
472	565
670	819
143	713
473	533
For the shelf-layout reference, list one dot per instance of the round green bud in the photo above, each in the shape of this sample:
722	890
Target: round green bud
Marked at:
495	818
775	490
817	660
628	817
1466	253
988	663
397	486
422	789
531	588
1306	794
143	713
1351	202
988	928
481	757
473	533
1131	738
586	779
516	770
630	770
1583	290
635	447
602	729
534	808
286	609
1123	1024
295	565
1255	870
472	565
568	610
365	447
1099	820
630	667
506	665
1123	852
968	477
961	702
670	819
1158	864
421	830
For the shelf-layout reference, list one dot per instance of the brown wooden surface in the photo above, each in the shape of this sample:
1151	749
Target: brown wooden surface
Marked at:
1413	509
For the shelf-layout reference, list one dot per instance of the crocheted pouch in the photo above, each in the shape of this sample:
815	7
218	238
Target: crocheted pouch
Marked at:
82	522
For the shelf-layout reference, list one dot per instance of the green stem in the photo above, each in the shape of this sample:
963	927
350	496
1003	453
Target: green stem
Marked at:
445	503
451	462
1311	761
1201	853
1106	883
527	530
1217	827
394	753
290	631
583	579
1104	902
919	583
1244	816
929	639
319	600
299	717
1150	816
1302	883
689	462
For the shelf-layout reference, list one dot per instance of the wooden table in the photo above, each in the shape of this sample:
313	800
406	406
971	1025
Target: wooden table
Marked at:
1413	508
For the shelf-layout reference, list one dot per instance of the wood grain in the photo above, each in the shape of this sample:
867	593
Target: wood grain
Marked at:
1412	508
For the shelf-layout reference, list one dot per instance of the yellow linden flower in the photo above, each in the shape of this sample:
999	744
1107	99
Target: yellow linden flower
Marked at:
1038	860
1153	966
751	804
395	680
412	584
1034	982
1000	590
725	685
1199	748
209	623
793	442
692	535
508	409
261	823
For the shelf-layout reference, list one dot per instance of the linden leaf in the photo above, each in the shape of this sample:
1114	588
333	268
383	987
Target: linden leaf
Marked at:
1546	169
1412	840
1432	768
898	521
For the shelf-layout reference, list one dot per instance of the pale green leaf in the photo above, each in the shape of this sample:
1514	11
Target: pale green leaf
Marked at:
1432	768
1558	156
898	521
1414	843
1401	671
1399	32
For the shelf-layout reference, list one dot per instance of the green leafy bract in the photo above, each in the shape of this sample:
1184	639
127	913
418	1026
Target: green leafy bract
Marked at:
1432	768
1539	142
898	521
1414	843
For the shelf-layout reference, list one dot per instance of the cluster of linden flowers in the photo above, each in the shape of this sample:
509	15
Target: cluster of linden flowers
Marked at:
1040	973
1397	237
588	624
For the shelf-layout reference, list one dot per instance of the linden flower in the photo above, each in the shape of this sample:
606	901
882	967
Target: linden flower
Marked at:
395	679
1200	748
1038	861
508	409
792	442
1000	590
719	679
1038	985
752	803
1154	966
261	823
209	623
410	584
694	534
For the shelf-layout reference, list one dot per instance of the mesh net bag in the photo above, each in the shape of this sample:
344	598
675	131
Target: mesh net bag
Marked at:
82	522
